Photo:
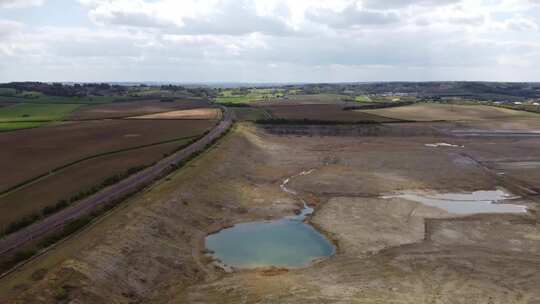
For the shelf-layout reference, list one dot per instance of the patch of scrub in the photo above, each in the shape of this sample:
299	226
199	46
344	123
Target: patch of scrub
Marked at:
437	145
288	242
465	203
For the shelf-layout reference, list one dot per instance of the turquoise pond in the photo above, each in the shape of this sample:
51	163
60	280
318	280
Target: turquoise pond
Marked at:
288	242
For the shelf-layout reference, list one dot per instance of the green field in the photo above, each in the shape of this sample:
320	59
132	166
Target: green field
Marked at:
386	99
236	99
363	98
7	91
247	96
9	126
22	116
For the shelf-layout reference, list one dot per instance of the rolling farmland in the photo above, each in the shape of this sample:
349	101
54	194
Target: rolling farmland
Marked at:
323	112
70	142
128	109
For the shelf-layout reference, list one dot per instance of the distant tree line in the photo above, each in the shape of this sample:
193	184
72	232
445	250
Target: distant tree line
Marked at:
67	90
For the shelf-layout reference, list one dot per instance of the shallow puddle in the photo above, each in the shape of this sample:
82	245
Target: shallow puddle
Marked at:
465	203
288	242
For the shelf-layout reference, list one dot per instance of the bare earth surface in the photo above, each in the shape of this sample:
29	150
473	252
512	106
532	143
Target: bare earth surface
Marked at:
205	113
127	109
430	112
34	152
389	250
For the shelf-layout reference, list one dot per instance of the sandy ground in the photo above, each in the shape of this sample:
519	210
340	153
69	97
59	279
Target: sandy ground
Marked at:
389	251
207	113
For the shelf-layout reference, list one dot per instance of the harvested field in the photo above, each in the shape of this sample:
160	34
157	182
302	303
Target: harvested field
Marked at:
37	151
435	112
81	177
389	251
321	112
205	114
128	109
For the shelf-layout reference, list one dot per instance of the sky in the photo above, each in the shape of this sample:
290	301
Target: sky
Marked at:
269	40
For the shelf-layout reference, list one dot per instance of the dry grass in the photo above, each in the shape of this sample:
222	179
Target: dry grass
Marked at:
206	113
433	112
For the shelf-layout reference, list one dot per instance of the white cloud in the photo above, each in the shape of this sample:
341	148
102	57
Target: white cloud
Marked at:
352	16
20	3
393	4
280	40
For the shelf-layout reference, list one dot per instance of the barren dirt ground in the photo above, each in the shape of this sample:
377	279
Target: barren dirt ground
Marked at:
204	113
389	251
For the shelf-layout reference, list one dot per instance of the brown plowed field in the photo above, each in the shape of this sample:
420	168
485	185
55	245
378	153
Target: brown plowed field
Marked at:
80	177
127	109
321	112
35	152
